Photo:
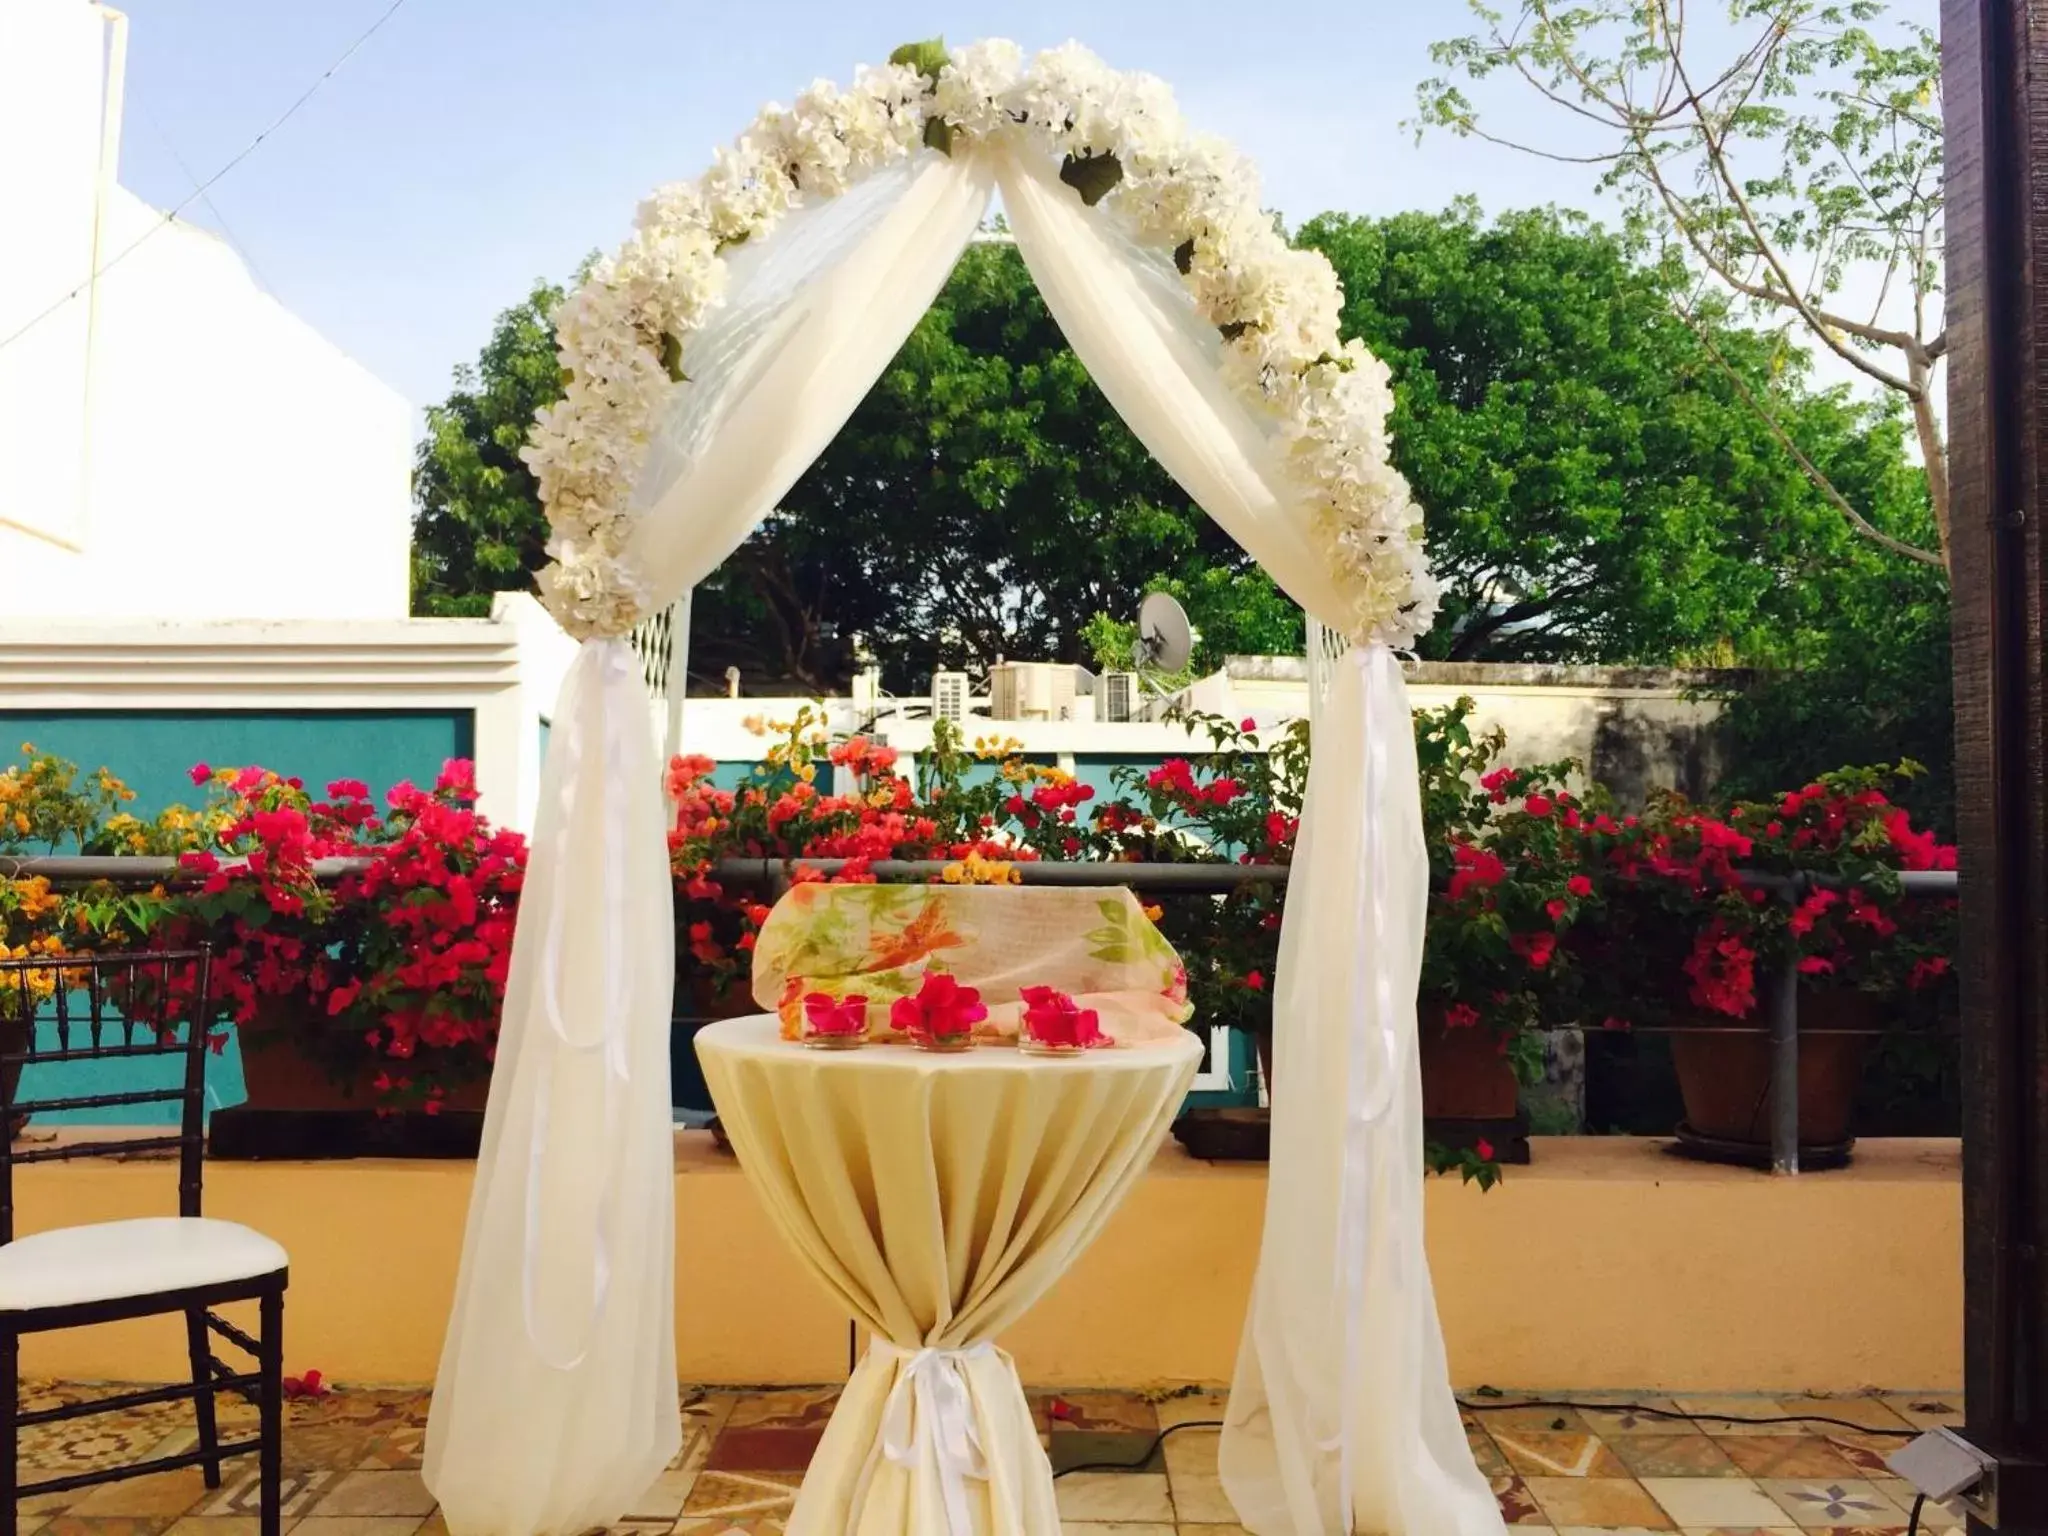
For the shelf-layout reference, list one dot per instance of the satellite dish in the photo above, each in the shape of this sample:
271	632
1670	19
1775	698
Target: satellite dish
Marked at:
1165	639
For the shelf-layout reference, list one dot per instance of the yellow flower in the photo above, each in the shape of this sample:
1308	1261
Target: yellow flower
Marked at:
975	870
1155	913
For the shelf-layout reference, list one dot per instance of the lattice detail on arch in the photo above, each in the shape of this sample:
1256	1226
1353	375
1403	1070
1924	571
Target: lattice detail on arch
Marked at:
654	642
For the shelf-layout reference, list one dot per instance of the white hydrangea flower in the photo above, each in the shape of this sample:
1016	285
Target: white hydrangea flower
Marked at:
973	90
1067	96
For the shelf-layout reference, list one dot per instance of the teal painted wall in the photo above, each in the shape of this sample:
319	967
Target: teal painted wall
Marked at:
153	752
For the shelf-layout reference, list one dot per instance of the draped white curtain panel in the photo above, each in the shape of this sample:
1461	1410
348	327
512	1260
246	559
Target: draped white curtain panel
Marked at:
556	1403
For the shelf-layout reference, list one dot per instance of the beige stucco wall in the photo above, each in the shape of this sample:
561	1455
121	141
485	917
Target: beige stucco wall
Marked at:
1607	1263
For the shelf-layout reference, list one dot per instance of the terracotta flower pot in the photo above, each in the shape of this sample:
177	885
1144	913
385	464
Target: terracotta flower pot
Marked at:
1724	1076
1469	1095
279	1075
1465	1074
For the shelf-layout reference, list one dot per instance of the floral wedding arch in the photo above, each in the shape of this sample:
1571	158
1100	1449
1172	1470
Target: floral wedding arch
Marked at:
706	365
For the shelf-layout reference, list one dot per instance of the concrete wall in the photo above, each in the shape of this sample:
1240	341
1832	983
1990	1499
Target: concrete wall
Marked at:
173	442
1634	729
1606	1263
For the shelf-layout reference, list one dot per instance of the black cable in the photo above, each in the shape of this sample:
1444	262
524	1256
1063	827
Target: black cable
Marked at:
1913	1525
1150	1451
1690	1418
1552	1403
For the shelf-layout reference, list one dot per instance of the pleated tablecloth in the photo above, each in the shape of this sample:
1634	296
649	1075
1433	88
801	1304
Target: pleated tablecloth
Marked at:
937	1196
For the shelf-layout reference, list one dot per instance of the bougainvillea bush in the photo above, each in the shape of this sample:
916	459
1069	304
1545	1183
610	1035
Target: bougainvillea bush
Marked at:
1671	931
1548	906
390	976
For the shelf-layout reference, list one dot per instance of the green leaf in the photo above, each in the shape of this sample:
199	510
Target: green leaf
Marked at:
927	58
938	134
1093	176
672	358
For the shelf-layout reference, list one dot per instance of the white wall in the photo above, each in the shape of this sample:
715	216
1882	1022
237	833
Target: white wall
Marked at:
173	442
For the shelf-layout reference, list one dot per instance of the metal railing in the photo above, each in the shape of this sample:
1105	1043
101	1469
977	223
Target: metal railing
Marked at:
776	875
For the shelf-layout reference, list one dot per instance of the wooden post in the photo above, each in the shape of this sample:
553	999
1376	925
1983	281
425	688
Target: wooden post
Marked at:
1995	100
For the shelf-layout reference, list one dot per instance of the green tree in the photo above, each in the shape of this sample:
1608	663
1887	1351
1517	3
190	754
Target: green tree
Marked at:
1785	155
477	525
983	500
1596	485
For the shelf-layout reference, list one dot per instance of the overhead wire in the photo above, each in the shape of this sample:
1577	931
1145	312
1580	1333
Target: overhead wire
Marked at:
221	219
201	190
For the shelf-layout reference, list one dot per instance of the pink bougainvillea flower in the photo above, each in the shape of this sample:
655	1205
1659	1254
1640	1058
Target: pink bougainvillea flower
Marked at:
1928	971
1479	867
1485	1150
201	773
1053	1018
1460	1016
942	1009
829	1015
1580	886
1536	948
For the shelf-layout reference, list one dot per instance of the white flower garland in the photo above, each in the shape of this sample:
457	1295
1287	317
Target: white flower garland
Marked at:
624	335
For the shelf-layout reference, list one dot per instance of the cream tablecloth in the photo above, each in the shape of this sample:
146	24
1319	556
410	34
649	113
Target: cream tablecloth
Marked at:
937	1197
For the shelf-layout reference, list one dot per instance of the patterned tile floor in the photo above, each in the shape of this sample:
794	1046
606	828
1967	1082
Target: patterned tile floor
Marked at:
352	1466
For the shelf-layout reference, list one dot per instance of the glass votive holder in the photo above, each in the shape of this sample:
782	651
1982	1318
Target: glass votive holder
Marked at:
835	1040
835	1023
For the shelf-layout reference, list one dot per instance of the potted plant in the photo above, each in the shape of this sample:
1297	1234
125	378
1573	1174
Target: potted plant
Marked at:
1684	943
1504	887
46	803
377	991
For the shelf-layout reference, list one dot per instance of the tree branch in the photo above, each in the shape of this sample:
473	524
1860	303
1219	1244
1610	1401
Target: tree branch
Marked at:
1787	299
1716	158
1812	471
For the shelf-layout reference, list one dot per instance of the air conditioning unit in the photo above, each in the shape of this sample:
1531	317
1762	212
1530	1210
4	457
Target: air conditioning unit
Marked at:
1117	697
949	696
1031	690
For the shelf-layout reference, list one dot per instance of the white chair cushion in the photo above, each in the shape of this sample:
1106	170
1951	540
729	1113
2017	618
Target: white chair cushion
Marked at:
111	1260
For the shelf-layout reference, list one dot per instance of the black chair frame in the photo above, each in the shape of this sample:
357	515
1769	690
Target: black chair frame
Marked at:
117	988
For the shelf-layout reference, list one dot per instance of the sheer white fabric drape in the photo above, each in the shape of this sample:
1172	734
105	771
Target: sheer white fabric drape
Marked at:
556	1401
556	1404
1342	1396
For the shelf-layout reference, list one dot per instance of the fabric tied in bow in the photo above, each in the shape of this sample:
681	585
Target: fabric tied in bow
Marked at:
930	1411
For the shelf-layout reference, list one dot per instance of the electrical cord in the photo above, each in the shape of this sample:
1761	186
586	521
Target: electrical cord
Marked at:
1648	1412
1913	1525
1150	1451
1643	1409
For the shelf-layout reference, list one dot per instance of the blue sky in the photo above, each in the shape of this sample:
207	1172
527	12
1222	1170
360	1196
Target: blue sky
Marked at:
471	147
